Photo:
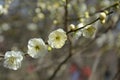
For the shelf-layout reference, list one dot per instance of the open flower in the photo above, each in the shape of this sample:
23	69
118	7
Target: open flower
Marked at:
57	38
36	48
13	59
89	31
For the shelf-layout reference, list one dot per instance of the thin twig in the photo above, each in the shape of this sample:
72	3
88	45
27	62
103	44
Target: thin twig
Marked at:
87	24
66	15
83	26
59	66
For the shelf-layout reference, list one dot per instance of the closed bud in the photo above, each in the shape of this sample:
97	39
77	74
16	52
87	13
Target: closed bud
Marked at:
103	17
72	27
49	48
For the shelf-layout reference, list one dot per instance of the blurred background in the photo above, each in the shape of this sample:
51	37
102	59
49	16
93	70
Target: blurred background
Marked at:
21	20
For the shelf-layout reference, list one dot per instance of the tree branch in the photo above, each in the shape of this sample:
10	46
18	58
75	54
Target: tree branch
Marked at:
66	15
70	47
87	24
59	66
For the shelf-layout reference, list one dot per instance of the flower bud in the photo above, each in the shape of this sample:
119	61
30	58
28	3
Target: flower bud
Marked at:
72	27
103	17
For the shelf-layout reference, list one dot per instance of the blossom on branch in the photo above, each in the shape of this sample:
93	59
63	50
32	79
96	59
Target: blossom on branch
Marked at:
89	31
12	59
103	17
36	48
57	38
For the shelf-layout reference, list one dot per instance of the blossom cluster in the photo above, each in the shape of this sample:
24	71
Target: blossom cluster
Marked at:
37	48
85	31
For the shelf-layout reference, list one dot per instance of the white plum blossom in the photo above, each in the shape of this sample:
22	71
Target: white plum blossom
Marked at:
89	31
57	38
12	59
36	48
